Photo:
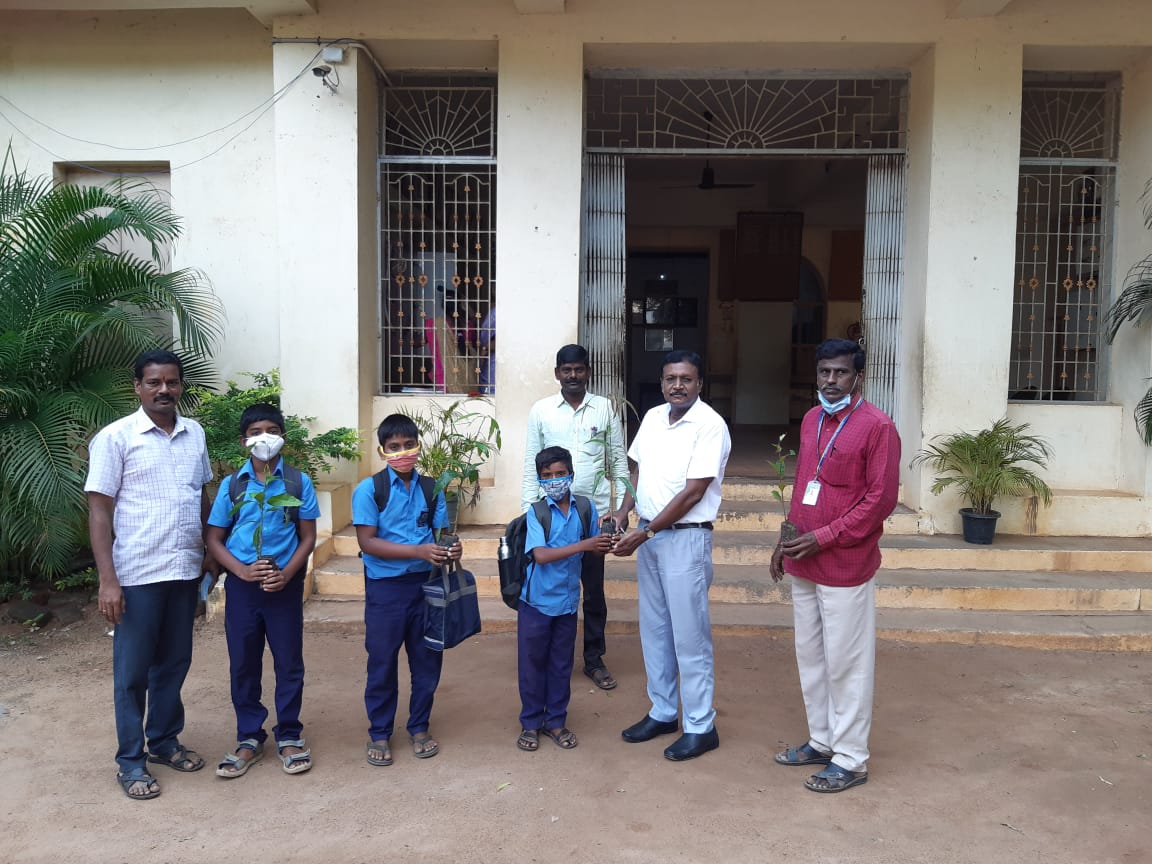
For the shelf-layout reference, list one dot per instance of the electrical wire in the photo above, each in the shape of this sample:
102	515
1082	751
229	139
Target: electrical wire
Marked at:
267	105
228	125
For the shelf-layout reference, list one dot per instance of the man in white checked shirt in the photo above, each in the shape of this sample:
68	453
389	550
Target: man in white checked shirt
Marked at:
587	427
147	510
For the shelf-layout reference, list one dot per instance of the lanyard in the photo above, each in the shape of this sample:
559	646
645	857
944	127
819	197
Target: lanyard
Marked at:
835	435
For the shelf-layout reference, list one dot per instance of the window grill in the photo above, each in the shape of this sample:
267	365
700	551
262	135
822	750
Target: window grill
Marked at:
1063	239
752	115
437	176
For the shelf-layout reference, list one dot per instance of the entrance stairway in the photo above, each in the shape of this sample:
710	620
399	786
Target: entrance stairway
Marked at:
1040	592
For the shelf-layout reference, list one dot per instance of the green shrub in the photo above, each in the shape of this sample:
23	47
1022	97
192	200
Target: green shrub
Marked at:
75	311
219	414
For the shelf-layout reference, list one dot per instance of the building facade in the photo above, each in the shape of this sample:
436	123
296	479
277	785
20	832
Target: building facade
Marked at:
371	187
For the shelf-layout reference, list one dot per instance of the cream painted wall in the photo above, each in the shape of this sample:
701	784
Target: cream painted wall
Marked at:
319	190
1130	357
968	253
139	80
541	119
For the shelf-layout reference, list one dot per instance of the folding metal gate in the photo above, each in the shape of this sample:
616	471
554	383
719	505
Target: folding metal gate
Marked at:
602	259
884	278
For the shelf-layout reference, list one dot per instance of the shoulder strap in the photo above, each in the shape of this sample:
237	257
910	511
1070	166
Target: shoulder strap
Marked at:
429	487
584	509
544	515
294	486
382	491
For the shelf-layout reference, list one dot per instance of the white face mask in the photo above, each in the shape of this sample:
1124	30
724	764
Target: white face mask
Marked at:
265	446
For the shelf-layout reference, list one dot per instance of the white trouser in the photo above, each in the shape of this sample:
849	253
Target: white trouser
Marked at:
673	575
836	656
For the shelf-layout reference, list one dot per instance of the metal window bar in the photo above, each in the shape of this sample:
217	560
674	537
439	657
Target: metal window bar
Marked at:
602	262
1063	256
437	199
884	278
438	279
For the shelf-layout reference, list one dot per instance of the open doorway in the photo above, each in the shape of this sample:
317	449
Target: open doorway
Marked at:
751	261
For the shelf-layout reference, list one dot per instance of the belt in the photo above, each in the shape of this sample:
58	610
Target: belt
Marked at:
707	526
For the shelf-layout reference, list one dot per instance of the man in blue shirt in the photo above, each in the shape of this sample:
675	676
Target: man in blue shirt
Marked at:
546	625
399	552
265	594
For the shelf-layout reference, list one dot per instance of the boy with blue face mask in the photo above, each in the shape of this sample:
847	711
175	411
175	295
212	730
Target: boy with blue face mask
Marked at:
546	626
265	594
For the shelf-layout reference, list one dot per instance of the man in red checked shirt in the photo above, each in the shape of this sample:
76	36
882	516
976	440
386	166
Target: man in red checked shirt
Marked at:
847	477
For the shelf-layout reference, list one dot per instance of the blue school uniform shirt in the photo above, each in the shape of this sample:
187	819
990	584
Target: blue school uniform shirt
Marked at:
403	520
555	588
280	537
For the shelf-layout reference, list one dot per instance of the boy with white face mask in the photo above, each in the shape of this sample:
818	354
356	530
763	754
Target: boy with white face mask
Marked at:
265	594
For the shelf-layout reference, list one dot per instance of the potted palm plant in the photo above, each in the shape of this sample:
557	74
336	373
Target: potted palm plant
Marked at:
455	442
984	466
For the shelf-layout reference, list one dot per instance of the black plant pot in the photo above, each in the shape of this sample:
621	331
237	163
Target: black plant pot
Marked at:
979	527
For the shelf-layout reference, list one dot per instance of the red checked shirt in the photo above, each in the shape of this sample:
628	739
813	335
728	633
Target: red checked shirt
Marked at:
859	484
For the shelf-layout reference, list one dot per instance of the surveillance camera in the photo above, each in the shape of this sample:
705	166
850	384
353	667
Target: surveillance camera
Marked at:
321	71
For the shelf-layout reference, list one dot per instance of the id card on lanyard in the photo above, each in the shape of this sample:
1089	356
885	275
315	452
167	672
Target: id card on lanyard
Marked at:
812	490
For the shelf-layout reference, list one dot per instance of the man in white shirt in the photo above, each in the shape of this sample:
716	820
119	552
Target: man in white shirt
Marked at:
680	453
147	510
588	427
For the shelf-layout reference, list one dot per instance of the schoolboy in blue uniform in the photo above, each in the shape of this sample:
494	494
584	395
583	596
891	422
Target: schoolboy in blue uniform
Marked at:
399	552
264	600
546	622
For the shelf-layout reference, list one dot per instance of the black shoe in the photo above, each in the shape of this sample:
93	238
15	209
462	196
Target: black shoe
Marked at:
647	729
693	744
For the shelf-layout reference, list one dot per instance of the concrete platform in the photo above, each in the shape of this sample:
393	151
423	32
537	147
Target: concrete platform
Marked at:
1093	631
1001	590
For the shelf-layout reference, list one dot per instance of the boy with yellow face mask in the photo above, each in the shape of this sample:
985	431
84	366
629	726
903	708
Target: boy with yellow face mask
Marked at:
399	552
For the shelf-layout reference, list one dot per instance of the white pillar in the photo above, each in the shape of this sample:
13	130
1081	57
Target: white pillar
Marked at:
320	211
964	152
539	144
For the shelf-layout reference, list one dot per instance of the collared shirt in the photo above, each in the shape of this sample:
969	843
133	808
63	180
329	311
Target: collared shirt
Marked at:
859	486
156	481
403	520
554	588
670	454
552	422
280	537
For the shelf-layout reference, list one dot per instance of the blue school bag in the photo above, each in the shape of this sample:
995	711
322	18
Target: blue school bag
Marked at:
452	609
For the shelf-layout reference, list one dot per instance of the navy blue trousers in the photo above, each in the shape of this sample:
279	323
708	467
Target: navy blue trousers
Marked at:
251	616
151	653
394	616
545	647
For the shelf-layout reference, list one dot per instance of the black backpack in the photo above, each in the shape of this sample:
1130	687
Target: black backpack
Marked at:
514	569
293	485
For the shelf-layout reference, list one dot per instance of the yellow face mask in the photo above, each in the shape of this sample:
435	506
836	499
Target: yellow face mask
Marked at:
401	461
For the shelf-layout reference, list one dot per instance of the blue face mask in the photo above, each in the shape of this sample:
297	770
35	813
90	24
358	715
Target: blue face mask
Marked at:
557	487
840	404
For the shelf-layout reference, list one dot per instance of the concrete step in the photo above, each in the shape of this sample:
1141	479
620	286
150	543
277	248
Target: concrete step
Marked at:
766	517
900	551
896	589
1090	631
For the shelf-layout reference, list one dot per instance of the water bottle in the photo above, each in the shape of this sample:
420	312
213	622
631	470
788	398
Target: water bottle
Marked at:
504	552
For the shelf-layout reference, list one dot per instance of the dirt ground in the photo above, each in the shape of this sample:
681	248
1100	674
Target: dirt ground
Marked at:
979	755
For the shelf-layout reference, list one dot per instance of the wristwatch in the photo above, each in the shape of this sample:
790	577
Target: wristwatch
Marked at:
649	533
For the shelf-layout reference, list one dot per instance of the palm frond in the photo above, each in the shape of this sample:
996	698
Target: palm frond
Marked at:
74	313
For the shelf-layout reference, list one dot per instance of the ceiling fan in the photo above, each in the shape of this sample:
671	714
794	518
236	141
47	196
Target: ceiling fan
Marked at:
708	182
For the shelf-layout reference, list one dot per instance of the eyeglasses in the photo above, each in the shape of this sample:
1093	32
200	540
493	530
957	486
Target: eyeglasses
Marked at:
673	380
